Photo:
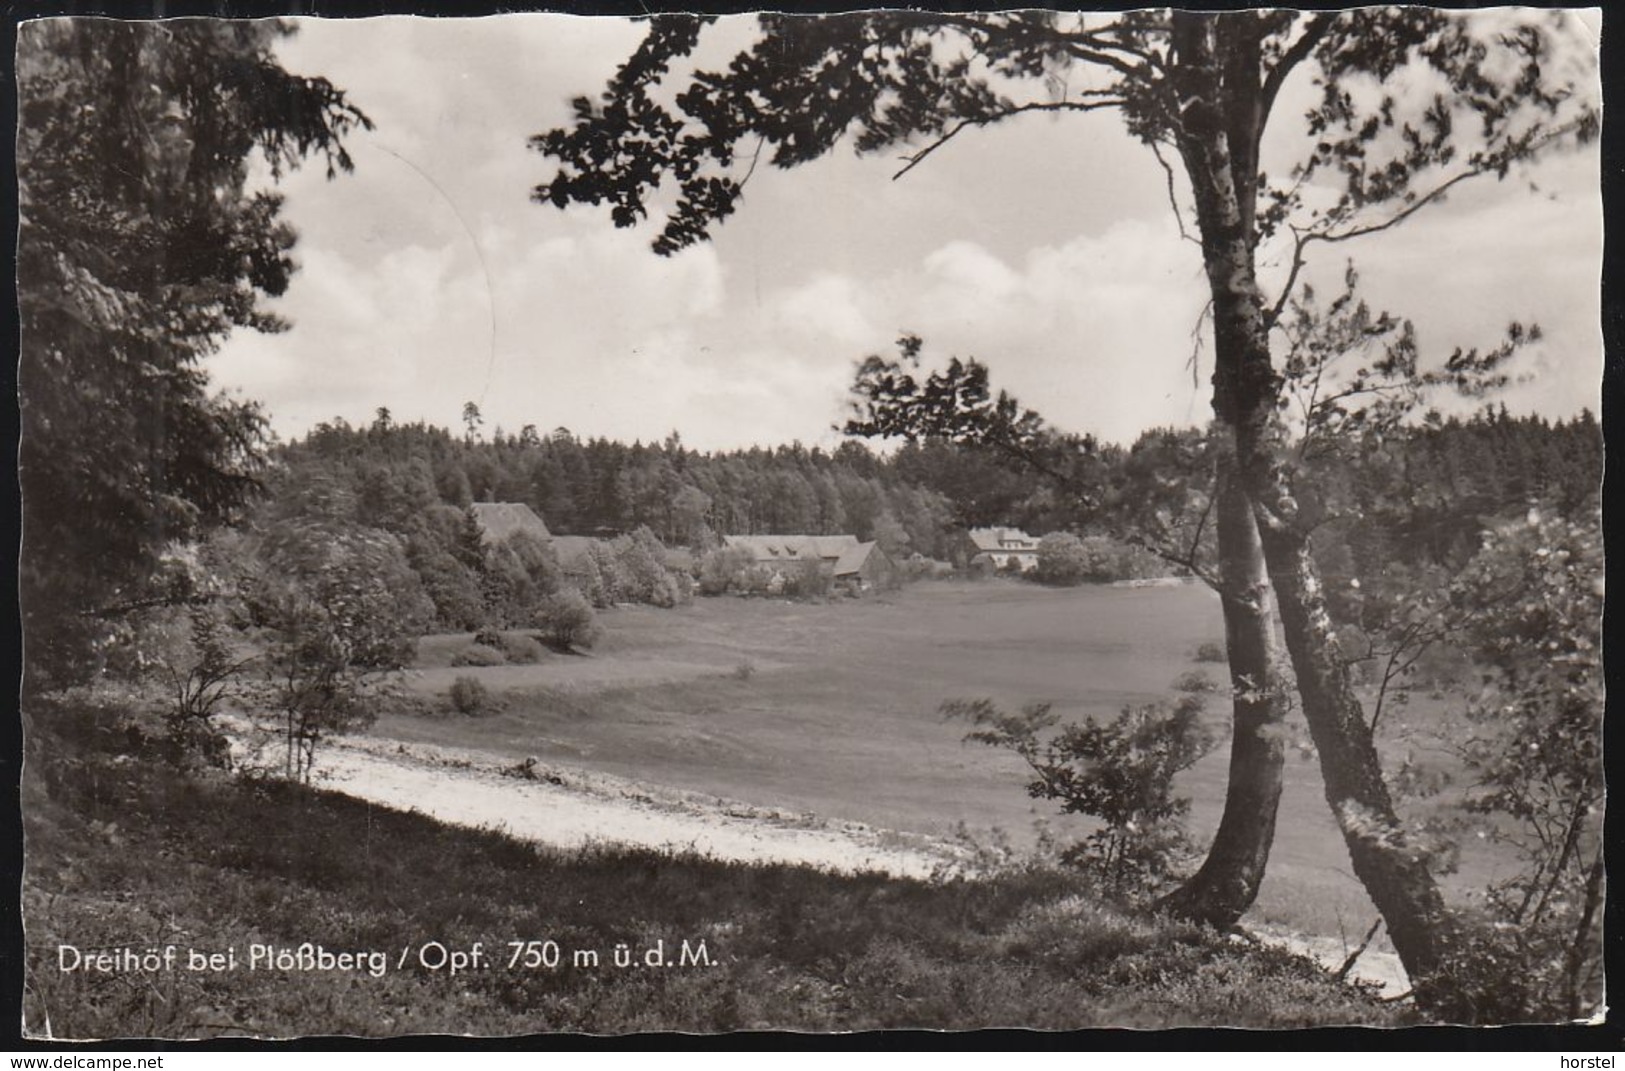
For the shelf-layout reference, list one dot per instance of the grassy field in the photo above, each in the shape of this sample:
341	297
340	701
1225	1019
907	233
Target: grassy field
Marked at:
832	708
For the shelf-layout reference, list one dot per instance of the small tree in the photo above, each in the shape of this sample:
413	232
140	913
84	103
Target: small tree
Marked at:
1063	560
518	571
342	608
202	675
613	584
724	570
451	586
1531	604
1121	772
640	561
188	652
565	620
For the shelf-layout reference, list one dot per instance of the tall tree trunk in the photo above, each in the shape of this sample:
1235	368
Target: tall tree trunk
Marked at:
1218	125
1227	883
1393	870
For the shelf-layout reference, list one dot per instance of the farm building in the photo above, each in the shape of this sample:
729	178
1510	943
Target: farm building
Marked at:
499	520
1002	548
865	565
842	558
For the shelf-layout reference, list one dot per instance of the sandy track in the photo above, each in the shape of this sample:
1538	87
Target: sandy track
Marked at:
569	809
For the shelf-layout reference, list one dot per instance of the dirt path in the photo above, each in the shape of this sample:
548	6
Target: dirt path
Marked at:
568	808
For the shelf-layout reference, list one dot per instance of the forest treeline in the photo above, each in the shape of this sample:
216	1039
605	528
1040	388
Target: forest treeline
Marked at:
1425	498
601	487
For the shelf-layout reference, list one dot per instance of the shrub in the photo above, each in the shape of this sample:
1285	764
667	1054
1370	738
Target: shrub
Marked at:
193	655
522	649
1195	682
587	577
469	697
1211	652
1063	560
451	585
478	654
565	620
805	580
641	568
342	605
724	570
1121	772
1530	603
603	582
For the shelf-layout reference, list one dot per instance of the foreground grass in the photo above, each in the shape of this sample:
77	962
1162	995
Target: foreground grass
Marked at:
122	852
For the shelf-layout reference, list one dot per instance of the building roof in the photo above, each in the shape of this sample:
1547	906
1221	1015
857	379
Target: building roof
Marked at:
792	548
499	520
995	538
852	559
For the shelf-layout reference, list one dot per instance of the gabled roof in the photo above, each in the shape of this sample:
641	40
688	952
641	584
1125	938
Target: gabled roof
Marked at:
499	520
793	548
994	538
832	546
853	558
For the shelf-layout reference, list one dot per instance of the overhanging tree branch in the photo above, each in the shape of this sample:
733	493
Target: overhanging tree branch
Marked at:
915	159
1295	54
1493	164
1173	202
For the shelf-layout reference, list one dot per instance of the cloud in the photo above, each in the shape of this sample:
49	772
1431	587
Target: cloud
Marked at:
1045	249
1095	331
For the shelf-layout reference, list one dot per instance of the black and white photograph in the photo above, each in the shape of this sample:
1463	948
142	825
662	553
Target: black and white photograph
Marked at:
550	524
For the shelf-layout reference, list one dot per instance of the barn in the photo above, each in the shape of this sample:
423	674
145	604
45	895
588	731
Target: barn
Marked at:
842	558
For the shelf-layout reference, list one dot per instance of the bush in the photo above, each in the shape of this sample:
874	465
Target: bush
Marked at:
805	580
1063	560
565	620
725	569
522	649
1194	682
1121	772
469	697
641	570
1211	652
478	654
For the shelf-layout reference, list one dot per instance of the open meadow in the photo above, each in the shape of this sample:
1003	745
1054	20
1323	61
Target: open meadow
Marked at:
836	714
832	708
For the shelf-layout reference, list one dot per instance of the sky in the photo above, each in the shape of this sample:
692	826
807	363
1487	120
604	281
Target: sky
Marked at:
1044	246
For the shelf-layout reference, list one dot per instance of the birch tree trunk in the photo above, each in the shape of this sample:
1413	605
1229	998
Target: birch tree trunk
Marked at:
1227	883
1218	127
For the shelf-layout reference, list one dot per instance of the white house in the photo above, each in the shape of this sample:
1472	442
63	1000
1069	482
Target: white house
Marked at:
1004	548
